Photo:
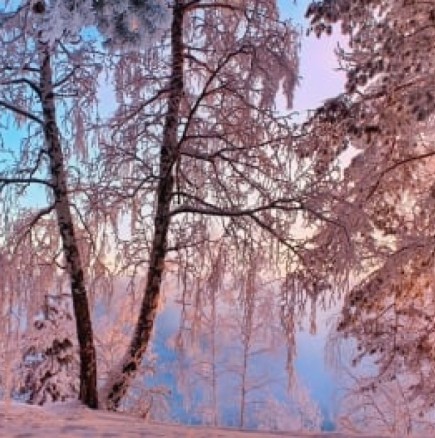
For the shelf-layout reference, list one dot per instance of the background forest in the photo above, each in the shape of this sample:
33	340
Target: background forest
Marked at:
169	223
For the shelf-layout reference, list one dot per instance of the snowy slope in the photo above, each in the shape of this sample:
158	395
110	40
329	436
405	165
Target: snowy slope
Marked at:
70	420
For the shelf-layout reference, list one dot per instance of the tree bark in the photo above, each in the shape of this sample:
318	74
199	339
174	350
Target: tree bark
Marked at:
88	363
168	156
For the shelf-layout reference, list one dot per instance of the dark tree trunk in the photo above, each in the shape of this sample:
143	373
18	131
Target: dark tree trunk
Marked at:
88	363
168	156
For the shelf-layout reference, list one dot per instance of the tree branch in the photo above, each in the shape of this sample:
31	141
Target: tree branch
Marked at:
26	81
8	181
395	166
28	227
209	209
21	111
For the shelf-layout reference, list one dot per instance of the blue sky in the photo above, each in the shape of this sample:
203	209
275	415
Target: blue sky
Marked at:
293	9
319	78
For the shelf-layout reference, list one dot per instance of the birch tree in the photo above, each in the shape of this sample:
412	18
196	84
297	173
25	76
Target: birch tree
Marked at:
229	337
204	154
30	90
49	88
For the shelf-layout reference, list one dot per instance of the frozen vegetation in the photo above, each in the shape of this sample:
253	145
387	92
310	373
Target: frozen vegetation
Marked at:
169	227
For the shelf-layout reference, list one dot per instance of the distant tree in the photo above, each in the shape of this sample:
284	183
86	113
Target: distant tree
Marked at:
386	408
297	412
200	343
224	350
256	338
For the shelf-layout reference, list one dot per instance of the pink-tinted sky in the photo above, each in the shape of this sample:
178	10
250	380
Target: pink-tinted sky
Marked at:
320	79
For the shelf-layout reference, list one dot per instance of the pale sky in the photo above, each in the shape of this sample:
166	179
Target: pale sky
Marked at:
318	64
320	80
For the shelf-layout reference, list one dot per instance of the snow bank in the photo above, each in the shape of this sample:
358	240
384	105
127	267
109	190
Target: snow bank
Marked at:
72	420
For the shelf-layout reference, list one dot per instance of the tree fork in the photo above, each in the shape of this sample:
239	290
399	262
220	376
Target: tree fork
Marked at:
168	156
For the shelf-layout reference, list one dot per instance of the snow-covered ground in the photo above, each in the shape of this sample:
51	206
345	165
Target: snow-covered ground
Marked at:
24	421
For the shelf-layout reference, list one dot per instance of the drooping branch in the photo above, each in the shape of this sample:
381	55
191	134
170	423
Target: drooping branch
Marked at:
25	81
21	111
27	228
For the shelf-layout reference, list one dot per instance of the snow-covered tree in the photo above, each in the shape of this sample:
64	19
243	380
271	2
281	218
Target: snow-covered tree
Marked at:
202	152
382	130
50	363
42	92
123	25
386	408
49	82
130	24
196	155
229	336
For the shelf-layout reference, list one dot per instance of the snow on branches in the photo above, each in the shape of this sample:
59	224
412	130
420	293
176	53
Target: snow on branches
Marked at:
49	368
382	127
131	24
127	24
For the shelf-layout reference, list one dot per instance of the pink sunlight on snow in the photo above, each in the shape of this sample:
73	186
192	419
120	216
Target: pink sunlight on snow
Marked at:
71	420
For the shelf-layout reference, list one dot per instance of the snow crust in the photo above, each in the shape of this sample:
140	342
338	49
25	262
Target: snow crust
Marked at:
70	419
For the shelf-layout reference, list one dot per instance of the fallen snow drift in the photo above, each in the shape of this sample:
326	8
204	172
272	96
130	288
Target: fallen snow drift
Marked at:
69	420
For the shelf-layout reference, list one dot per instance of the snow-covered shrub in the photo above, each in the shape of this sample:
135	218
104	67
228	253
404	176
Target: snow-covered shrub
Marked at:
49	368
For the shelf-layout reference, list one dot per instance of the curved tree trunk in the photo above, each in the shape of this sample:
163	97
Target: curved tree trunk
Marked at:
168	155
88	364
